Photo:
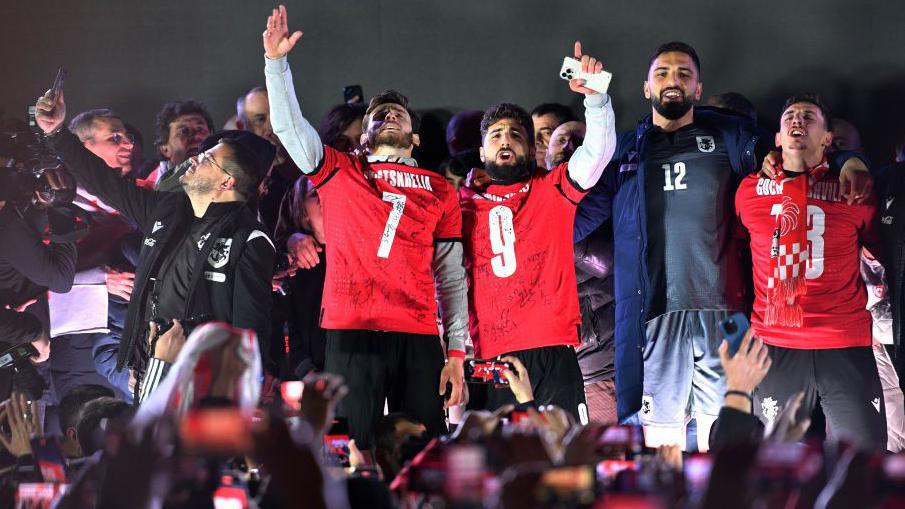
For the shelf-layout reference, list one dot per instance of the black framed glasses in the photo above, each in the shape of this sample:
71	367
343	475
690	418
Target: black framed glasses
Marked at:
207	157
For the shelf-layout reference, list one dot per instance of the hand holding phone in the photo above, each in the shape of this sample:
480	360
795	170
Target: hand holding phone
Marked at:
50	109
487	371
585	73
734	328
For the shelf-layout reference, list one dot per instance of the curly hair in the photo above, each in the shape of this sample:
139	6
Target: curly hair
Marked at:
508	111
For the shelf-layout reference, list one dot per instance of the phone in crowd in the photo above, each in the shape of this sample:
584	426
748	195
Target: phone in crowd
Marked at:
487	371
353	94
734	328
621	442
336	443
216	431
49	459
607	470
231	493
58	83
40	495
17	353
291	392
456	471
572	485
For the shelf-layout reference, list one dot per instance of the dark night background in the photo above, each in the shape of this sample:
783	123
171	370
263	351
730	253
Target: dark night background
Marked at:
133	56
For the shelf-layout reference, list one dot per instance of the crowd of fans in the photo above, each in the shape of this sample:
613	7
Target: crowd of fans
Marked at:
273	315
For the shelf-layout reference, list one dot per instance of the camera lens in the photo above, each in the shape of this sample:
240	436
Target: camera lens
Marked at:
563	74
730	326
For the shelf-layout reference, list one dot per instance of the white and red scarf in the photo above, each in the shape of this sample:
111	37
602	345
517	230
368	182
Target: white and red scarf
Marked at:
789	250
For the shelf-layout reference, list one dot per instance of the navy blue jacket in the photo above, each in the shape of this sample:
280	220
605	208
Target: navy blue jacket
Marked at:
620	195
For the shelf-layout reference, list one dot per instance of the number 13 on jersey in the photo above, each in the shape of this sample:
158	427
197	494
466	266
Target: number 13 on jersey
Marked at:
502	241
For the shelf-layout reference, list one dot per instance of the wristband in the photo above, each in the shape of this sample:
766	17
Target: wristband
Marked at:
742	394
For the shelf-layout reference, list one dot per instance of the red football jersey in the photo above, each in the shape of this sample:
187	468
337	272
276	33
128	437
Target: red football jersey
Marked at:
521	268
833	307
381	220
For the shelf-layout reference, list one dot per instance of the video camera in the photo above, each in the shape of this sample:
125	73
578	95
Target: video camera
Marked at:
24	162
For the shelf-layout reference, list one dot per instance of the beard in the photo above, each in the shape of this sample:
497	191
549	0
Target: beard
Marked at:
195	185
504	174
672	110
395	139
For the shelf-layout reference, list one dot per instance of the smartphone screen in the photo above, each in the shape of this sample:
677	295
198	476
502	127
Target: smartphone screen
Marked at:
49	458
487	371
291	392
336	443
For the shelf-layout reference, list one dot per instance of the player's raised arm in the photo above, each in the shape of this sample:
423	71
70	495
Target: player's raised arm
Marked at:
587	163
295	133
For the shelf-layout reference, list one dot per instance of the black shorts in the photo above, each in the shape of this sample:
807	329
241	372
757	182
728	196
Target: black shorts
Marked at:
555	380
403	369
844	381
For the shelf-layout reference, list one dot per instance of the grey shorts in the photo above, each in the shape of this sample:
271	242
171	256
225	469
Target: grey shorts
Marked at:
683	377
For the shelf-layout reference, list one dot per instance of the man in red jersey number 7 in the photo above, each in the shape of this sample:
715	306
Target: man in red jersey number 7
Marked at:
394	235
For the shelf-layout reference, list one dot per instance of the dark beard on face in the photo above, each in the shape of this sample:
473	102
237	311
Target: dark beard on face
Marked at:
672	110
505	174
393	139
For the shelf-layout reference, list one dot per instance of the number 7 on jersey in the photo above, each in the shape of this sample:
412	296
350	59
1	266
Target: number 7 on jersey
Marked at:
389	231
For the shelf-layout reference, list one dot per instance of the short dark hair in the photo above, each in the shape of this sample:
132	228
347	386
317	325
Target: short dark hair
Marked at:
91	428
175	109
75	400
241	167
734	103
680	47
811	98
511	111
563	113
338	120
392	97
82	124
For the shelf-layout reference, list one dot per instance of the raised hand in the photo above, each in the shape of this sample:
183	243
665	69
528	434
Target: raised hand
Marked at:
49	114
589	64
277	41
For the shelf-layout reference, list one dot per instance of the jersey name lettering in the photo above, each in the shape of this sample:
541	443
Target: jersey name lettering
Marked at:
398	178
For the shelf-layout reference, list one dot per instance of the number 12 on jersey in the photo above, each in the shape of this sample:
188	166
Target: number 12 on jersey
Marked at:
389	231
679	170
502	241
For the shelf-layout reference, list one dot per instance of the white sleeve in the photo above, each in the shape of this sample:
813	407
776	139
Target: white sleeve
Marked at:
587	163
296	134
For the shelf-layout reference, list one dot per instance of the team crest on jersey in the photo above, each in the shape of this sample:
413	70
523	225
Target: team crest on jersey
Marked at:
220	253
706	143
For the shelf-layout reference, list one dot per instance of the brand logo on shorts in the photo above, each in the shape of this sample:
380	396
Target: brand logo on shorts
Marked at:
583	414
647	405
705	143
876	403
770	408
157	225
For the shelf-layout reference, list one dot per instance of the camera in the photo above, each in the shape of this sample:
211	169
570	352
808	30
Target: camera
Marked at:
24	163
